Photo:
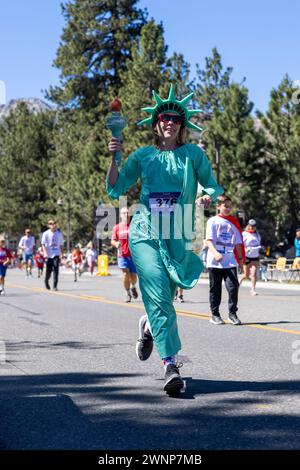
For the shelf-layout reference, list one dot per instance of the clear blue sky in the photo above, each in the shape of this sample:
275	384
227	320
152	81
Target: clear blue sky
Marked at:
260	39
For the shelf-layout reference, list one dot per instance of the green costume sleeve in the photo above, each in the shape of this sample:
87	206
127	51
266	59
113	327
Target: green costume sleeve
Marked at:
128	176
205	175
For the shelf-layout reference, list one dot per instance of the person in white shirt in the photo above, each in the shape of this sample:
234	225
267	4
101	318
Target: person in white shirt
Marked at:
252	243
91	257
52	244
224	242
27	244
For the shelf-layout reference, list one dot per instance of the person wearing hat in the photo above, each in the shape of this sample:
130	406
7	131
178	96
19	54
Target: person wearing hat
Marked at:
170	171
297	242
252	243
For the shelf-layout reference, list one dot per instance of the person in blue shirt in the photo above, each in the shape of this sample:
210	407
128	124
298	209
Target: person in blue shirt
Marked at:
297	243
169	171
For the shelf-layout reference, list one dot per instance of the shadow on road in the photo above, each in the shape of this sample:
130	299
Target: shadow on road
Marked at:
22	346
40	412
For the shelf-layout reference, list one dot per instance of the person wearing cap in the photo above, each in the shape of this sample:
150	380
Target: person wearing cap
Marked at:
297	242
5	259
160	245
252	243
52	244
27	244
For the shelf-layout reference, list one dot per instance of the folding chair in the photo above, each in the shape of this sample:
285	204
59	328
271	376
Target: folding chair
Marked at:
294	270
279	267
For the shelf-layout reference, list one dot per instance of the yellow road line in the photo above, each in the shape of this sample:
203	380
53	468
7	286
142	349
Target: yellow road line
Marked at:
183	313
273	328
64	294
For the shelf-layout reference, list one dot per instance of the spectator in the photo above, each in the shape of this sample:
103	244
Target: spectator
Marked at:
297	242
91	257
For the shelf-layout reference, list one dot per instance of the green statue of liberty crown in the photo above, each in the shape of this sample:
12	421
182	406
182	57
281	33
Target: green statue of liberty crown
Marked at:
171	105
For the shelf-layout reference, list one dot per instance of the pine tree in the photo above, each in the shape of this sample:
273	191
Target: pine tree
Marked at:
26	143
242	156
211	82
178	73
282	122
235	147
145	72
78	168
96	42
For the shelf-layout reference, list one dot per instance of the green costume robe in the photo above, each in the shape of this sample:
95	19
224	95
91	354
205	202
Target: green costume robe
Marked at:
164	263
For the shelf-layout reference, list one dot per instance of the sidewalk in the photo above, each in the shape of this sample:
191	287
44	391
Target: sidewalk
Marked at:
115	271
263	285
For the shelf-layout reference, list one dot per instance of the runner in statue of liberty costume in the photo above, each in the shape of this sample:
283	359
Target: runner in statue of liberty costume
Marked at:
169	171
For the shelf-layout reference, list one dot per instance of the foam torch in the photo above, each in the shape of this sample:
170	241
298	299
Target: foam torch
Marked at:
116	123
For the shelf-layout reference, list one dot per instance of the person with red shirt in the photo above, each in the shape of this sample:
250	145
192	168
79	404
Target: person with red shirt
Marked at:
40	261
76	261
5	258
120	241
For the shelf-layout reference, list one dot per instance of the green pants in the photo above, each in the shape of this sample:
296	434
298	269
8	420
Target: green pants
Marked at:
158	293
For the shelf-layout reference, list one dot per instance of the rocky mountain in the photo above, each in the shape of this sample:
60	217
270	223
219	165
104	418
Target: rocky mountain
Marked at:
35	105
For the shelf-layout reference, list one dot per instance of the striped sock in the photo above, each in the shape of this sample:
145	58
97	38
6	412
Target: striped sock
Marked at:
169	360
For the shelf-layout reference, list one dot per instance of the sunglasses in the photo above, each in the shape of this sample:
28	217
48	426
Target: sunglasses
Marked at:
175	118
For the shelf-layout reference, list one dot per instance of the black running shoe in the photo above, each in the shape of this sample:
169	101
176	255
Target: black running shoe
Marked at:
233	318
181	299
217	320
134	293
47	285
128	298
173	381
144	345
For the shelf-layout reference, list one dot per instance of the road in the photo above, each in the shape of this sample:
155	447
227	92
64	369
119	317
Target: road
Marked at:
70	378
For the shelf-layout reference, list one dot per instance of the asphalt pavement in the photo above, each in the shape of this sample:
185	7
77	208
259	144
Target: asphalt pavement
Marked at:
70	378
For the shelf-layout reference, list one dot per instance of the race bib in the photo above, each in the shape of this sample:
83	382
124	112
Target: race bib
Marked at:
163	202
224	249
